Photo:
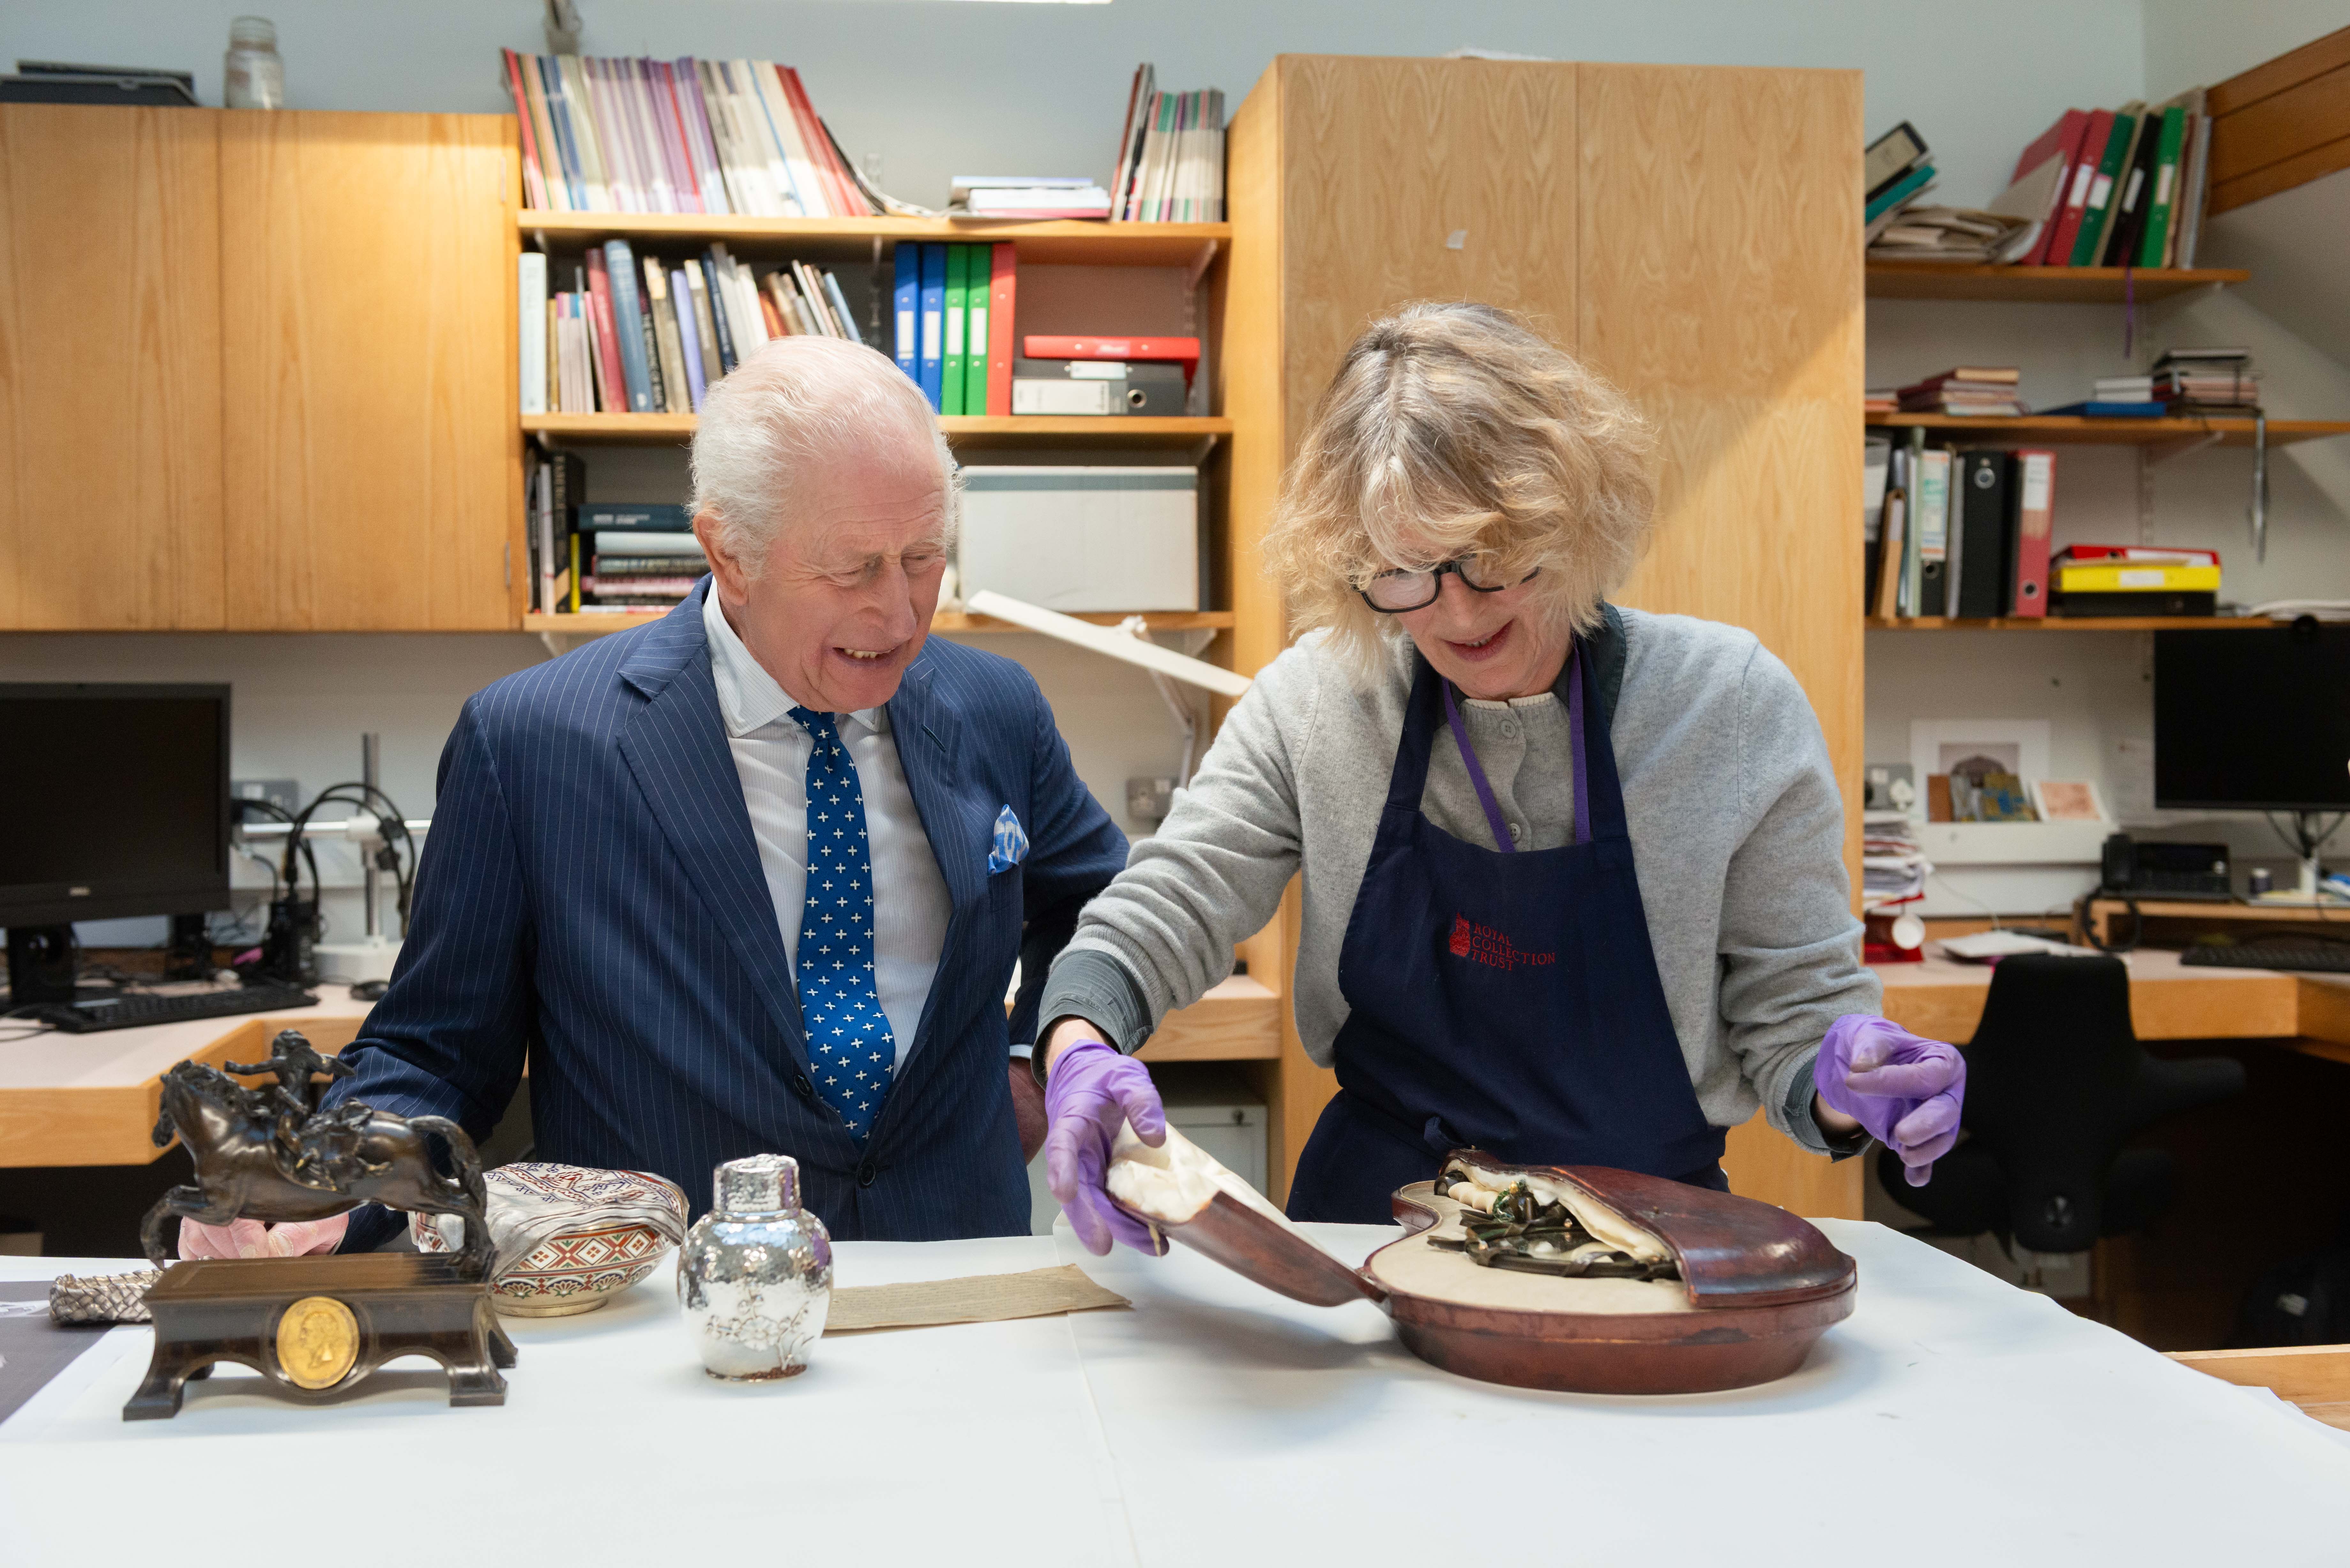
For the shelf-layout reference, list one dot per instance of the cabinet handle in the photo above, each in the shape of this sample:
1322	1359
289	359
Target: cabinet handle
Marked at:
509	554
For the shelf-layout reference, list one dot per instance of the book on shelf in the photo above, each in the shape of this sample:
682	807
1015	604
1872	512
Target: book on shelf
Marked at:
1972	390
2135	184
1961	533
1889	157
2108	408
2050	161
720	137
531	281
553	491
2206	380
954	358
1026	196
1928	574
2135	580
1981	481
1967	236
1170	166
2033	519
2125	187
652	334
1884	582
2126	225
952	305
2122	555
2102	152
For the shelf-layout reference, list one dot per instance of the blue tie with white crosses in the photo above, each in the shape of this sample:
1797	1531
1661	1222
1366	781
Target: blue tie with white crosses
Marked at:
849	1042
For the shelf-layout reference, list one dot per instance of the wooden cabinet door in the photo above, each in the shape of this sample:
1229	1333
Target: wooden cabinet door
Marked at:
373	463
1413	178
1722	289
110	369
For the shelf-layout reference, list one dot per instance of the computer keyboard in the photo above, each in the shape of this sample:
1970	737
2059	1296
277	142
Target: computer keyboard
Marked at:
2324	955
139	1009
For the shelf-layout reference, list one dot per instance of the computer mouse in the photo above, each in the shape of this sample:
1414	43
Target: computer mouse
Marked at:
369	989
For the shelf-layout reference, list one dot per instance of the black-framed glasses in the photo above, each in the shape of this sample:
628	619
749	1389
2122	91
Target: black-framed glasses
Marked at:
1392	593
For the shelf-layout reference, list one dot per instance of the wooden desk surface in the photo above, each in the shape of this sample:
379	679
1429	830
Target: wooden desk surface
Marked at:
1943	998
93	1099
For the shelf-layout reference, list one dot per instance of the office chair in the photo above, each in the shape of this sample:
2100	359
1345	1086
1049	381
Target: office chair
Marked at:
2056	1084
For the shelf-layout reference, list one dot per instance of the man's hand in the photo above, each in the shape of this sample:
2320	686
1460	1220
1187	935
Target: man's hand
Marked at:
1090	1092
1028	1108
1906	1090
251	1239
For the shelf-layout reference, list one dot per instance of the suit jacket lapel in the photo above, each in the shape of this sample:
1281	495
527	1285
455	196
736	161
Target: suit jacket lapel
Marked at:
955	818
676	747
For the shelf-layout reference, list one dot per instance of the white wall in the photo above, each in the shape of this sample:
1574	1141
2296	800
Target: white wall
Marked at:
2193	43
939	89
2095	687
934	87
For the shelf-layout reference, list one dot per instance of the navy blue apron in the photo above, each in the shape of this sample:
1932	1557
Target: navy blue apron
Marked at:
1505	999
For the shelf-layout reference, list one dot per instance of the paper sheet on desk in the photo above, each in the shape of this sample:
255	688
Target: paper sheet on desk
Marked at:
33	1350
977	1298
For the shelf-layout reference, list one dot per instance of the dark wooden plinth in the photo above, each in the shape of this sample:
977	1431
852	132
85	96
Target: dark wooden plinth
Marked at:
404	1305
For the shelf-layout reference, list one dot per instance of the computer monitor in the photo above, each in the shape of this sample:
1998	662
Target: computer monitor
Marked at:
2252	720
113	802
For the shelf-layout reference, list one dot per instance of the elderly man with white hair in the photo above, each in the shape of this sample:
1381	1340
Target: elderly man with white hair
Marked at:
753	879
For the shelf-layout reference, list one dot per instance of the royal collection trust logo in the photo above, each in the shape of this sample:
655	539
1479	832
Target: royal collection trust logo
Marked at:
1483	944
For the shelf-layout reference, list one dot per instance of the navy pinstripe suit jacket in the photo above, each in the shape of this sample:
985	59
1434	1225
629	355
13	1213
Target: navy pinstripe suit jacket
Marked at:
591	895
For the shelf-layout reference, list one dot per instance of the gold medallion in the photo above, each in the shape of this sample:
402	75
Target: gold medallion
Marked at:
318	1341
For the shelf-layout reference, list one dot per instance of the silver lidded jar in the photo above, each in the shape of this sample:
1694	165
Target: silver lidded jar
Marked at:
755	1275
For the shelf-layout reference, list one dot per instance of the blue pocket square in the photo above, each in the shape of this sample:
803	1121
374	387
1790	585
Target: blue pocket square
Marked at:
1011	843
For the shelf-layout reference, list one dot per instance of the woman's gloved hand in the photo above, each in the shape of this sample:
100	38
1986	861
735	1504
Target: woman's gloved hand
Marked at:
1089	1092
251	1239
1904	1089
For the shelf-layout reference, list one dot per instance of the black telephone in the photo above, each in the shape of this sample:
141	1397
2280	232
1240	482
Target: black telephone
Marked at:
2163	870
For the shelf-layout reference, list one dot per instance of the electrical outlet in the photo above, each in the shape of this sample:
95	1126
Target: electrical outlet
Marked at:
284	793
1149	800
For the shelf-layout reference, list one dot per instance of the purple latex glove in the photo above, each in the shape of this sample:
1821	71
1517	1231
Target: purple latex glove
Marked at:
1906	1090
1090	1093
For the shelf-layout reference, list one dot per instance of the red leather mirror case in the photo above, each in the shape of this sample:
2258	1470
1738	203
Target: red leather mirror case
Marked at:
1758	1287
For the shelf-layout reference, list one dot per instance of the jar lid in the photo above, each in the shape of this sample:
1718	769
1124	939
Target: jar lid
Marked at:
253	32
762	1184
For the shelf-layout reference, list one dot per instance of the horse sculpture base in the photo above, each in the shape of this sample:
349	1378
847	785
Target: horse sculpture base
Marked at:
315	1327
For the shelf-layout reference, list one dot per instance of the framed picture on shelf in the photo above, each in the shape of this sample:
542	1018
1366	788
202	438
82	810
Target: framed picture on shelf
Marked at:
2066	800
1977	747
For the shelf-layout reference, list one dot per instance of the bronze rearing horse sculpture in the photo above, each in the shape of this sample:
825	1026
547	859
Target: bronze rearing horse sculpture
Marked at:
241	1170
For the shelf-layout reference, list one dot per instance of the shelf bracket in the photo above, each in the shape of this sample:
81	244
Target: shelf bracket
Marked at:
2163	451
2258	513
1199	266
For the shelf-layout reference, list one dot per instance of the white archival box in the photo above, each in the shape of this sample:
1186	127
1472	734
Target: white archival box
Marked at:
1077	538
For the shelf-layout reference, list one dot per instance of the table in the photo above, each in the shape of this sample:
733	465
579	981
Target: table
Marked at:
1216	1423
93	1099
1943	998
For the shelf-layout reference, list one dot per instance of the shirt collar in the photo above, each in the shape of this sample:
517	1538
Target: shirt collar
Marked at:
749	699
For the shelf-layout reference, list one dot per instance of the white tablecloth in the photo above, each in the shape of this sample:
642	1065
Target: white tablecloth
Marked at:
1951	1420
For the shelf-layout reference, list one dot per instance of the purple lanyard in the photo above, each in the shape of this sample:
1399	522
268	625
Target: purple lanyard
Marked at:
1484	788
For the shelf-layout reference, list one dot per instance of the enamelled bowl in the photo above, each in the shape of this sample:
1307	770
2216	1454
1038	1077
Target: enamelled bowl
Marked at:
593	1258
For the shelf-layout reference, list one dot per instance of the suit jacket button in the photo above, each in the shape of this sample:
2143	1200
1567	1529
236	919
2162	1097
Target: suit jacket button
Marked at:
803	1088
865	1174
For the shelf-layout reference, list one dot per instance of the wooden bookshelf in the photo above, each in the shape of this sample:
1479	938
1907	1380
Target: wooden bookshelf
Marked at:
2071	623
2042	284
2070	428
974	430
604	623
851	239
